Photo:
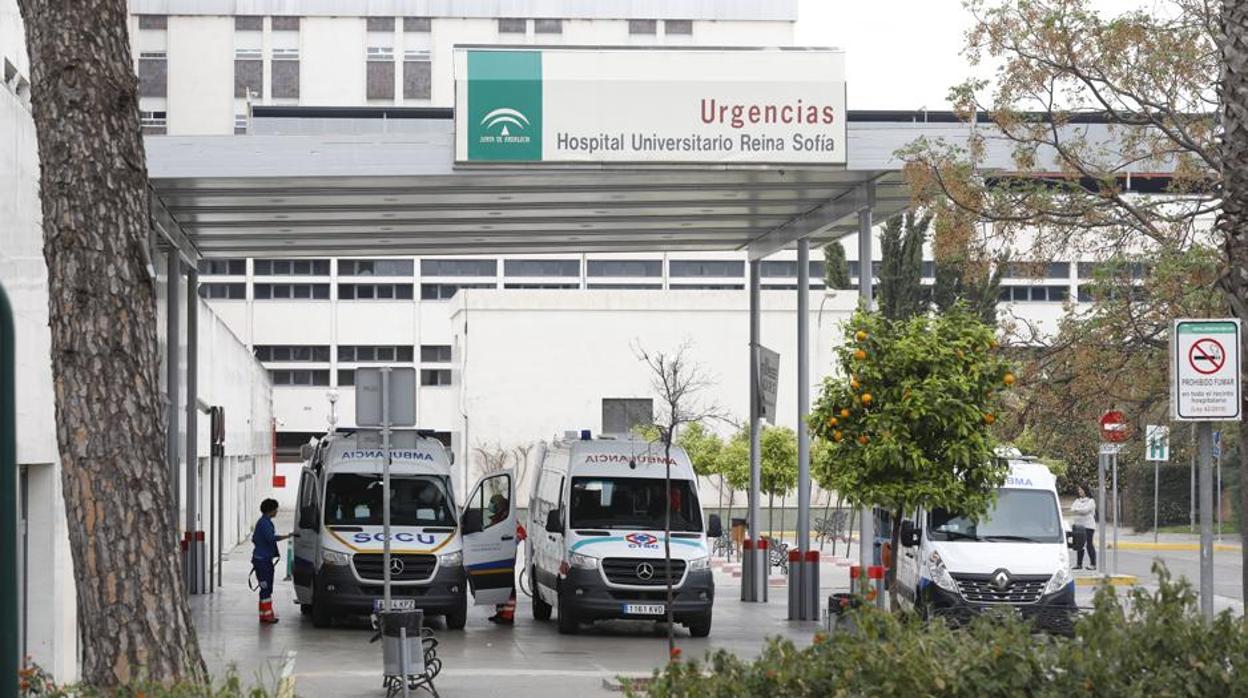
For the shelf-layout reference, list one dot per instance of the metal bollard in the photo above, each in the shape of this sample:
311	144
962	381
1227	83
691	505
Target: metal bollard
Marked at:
812	585
762	565
796	612
876	573
747	570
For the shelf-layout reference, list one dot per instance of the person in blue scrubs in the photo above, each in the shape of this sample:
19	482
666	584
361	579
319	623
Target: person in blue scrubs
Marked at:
264	556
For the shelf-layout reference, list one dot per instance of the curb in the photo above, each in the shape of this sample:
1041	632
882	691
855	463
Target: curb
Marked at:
1115	580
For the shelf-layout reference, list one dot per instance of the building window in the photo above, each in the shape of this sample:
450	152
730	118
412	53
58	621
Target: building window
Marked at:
709	287
417	75
709	267
248	23
380	73
153	74
301	377
788	269
548	26
622	415
365	353
625	267
292	267
233	292
681	27
441	292
541	267
1034	294
346	377
648	27
265	292
435	353
285	24
153	122
292	352
853	268
509	25
783	287
285	73
380	24
248	74
375	267
458	267
1037	270
540	286
422	25
435	376
223	267
625	287
153	22
375	292
929	270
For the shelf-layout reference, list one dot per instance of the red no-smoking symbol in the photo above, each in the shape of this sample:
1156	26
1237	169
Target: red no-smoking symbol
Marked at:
1206	355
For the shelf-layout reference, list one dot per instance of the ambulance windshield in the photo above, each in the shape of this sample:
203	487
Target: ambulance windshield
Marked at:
623	502
354	499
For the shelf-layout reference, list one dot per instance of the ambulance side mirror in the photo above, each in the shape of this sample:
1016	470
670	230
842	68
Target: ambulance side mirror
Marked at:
1070	540
910	535
472	522
554	522
714	527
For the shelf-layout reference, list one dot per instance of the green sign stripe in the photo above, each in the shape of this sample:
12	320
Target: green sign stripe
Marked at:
504	120
1206	328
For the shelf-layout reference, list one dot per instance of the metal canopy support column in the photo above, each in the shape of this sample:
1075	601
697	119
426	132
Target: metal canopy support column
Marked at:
799	574
173	276
194	537
755	566
866	536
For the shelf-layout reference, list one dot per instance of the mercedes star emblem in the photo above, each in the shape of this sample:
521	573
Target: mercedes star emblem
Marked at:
396	566
1001	580
645	571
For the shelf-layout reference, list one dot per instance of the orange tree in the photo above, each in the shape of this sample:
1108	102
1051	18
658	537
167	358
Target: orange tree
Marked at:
908	419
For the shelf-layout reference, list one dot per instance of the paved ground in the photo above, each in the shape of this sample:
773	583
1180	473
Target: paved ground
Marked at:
524	660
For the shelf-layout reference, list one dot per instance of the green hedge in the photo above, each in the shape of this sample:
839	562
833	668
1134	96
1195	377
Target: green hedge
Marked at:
1154	645
1136	481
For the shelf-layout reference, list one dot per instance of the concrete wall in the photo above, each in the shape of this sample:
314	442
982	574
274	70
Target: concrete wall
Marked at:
201	75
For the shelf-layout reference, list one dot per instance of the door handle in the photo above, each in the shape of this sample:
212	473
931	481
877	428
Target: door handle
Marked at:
509	537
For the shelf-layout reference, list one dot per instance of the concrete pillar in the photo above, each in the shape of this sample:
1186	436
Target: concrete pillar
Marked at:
193	540
866	297
758	570
798	575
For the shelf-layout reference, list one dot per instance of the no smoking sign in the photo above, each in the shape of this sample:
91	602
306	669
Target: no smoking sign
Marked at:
1205	371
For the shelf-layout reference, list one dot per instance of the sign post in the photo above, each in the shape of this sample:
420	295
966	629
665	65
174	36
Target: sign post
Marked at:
1217	463
768	382
1114	431
1157	440
1205	388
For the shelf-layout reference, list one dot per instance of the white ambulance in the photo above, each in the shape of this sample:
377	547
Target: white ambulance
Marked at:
1014	556
596	540
338	565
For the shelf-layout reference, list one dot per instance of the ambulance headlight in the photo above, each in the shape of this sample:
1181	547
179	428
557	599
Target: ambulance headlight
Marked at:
454	559
1059	580
700	564
335	558
583	562
940	575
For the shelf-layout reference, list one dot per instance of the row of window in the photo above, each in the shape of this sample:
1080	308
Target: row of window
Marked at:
346	376
356	353
428	376
677	268
424	25
434	292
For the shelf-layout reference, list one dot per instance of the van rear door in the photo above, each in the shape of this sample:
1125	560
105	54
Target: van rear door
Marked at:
488	523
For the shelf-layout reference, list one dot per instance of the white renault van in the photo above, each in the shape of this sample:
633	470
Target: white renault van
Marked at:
596	541
1016	555
338	565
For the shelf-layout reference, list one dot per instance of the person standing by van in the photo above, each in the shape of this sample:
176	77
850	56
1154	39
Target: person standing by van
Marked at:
264	556
1083	521
500	508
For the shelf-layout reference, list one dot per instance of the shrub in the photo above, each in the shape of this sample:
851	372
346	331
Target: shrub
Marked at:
1137	505
34	681
1154	644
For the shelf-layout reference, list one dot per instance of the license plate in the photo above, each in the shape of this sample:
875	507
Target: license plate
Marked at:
644	609
395	604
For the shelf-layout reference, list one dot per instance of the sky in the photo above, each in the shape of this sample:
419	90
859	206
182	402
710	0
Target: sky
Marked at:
902	54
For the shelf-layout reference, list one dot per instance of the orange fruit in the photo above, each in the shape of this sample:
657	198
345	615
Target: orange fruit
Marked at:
836	435
1008	379
860	335
989	418
832	421
845	412
860	355
853	383
863	440
866	398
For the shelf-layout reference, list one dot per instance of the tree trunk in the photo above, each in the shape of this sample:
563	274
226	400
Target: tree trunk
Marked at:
1233	218
110	415
890	572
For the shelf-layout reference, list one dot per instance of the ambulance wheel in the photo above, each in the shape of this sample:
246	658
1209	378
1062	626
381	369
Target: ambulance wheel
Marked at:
541	609
569	624
322	615
701	626
458	618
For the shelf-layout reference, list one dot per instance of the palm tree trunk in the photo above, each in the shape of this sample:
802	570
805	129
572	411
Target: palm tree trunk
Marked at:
110	416
1233	219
